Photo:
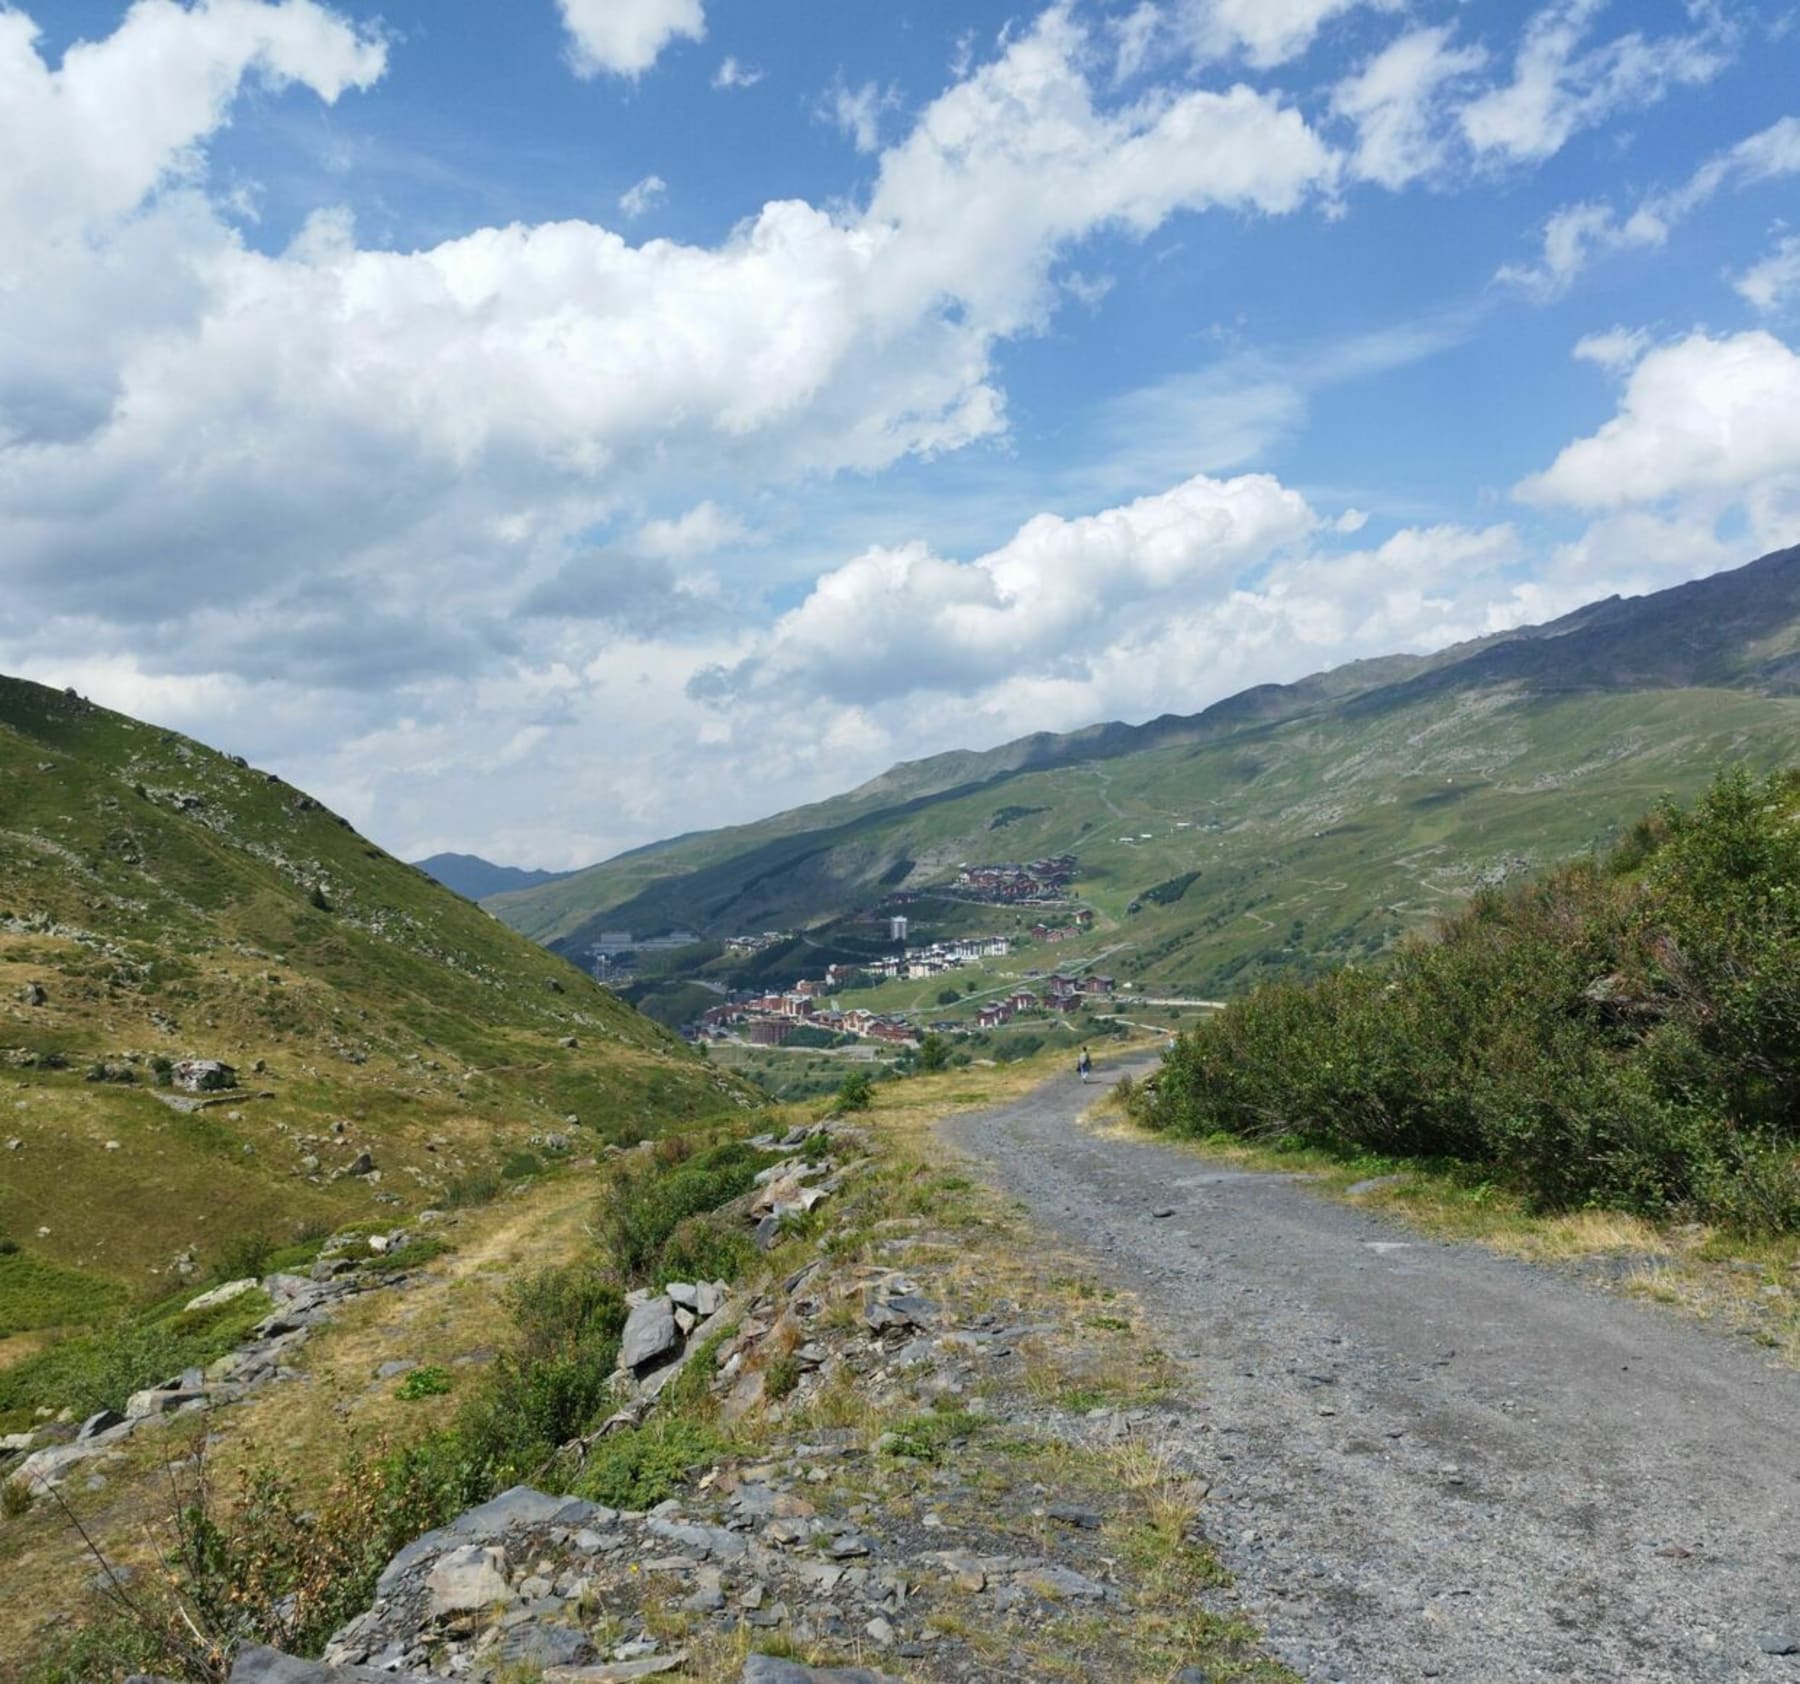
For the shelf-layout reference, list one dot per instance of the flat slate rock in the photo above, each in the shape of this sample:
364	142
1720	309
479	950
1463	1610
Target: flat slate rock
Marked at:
257	1665
516	1509
771	1669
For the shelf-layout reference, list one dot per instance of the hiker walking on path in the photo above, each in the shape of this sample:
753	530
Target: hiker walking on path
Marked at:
1084	1064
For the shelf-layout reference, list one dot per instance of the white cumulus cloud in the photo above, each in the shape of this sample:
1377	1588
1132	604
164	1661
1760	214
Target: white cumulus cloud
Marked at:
1700	417
626	37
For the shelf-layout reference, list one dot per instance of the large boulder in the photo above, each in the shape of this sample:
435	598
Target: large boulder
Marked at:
468	1580
650	1334
221	1295
258	1665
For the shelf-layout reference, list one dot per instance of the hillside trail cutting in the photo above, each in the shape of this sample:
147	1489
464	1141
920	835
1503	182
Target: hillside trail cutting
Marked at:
1428	1460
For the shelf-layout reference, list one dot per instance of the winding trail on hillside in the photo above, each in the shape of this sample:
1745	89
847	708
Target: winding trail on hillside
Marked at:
1428	1460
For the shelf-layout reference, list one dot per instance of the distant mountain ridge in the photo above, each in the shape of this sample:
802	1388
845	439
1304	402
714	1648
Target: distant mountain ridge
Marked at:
474	878
1606	708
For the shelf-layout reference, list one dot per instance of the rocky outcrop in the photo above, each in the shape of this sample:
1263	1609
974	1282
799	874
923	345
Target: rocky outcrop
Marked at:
299	1303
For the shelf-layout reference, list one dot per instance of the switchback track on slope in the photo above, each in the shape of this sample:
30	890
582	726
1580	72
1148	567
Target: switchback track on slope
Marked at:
1428	1460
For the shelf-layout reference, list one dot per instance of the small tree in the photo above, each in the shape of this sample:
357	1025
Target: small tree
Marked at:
856	1093
934	1054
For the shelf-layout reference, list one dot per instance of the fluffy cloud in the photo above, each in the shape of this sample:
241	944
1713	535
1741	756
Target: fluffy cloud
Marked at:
1574	235
1264	32
1702	417
626	37
1560	85
895	621
1397	102
1770	283
448	424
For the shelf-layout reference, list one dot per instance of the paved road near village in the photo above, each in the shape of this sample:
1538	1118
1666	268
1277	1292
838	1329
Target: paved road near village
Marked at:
1428	1461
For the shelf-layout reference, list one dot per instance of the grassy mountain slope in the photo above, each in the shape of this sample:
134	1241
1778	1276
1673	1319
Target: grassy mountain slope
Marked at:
160	901
1321	818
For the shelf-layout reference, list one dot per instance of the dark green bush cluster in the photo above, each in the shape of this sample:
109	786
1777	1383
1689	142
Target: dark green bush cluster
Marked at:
100	1370
1624	1033
650	1198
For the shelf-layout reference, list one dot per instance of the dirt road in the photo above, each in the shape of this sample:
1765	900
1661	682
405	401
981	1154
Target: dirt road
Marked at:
1429	1461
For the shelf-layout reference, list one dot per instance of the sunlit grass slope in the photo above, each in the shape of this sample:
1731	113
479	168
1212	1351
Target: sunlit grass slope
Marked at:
160	901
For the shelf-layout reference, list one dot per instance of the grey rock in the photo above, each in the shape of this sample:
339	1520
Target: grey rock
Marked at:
771	1669
708	1596
768	1231
160	1400
221	1295
469	1579
393	1370
99	1422
650	1333
1193	1675
516	1508
1057	1584
684	1294
617	1672
546	1646
1072	1515
362	1164
1779	1643
703	1541
257	1665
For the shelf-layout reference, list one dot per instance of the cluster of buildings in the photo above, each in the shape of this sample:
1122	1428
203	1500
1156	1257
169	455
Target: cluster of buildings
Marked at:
917	963
1084	921
1061	994
743	947
1010	885
770	1020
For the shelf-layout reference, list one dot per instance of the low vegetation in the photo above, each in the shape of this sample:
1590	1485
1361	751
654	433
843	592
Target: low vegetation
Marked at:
1624	1032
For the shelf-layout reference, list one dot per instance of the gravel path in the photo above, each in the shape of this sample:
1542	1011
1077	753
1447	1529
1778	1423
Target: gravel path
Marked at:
1429	1461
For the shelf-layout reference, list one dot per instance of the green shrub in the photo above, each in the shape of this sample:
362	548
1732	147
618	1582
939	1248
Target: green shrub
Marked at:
415	1254
520	1165
100	1370
474	1187
430	1381
243	1256
1624	1033
856	1093
645	1203
704	1248
643	1466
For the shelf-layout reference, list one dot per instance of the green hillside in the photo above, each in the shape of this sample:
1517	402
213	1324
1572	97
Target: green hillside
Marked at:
1279	830
158	902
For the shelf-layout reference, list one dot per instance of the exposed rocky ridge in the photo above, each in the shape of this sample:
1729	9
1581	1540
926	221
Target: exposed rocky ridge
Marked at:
42	1458
922	1486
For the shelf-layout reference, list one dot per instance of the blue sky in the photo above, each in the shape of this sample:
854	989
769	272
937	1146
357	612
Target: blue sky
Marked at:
547	427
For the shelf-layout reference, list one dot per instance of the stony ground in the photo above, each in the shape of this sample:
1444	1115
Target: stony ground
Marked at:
927	1444
1426	1460
946	1458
